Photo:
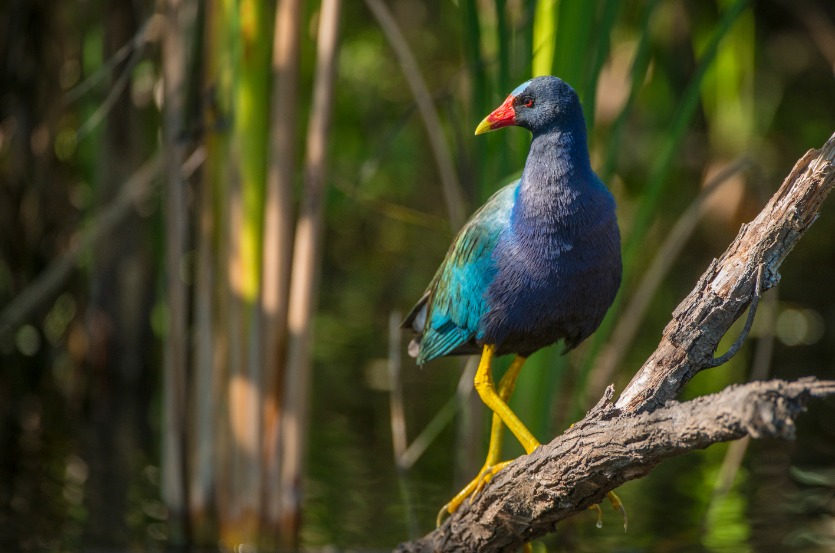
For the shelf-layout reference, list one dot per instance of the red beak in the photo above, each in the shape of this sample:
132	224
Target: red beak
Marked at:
502	116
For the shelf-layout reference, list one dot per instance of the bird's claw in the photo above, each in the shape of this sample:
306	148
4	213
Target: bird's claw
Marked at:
485	476
596	508
617	505
470	490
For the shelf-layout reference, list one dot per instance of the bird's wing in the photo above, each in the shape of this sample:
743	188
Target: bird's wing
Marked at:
447	315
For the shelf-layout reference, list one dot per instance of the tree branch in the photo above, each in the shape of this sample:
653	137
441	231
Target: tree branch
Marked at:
623	441
606	449
726	288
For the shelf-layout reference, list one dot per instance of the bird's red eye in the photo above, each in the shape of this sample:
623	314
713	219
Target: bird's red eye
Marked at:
528	102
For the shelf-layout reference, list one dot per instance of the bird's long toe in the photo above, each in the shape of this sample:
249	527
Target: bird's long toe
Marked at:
469	491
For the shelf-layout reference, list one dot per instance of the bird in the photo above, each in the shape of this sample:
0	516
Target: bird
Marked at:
538	263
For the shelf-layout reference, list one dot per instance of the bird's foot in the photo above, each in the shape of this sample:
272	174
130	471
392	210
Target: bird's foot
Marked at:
617	505
486	474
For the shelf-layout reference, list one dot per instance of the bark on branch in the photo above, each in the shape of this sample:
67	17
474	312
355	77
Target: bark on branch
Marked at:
726	288
622	441
607	448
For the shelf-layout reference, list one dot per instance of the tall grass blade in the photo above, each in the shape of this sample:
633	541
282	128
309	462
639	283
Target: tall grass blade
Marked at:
602	43
175	59
544	35
572	43
428	113
305	278
637	75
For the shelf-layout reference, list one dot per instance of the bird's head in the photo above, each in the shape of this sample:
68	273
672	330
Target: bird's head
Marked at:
538	105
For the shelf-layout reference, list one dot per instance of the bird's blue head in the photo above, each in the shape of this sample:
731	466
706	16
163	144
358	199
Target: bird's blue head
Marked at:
539	105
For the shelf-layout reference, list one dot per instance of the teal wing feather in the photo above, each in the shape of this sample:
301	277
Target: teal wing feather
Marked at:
446	317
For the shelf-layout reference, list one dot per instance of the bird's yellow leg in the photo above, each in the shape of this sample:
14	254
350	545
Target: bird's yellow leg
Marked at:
487	391
506	386
494	451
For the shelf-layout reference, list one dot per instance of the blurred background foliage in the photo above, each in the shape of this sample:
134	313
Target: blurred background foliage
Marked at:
696	110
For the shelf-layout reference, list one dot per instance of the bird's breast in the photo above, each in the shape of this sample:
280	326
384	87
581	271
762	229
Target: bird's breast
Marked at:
555	279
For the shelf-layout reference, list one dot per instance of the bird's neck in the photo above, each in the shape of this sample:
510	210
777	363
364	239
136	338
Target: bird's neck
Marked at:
556	172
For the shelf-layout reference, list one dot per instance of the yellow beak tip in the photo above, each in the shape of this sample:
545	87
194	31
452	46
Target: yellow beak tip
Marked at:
483	127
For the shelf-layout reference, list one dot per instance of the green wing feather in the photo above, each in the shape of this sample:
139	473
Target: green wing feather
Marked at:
446	317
